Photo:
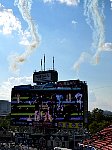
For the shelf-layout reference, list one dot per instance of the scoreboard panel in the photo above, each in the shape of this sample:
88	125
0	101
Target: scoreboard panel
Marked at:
58	106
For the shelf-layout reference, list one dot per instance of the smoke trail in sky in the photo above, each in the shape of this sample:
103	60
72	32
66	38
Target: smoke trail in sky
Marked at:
83	57
95	19
96	14
107	47
34	40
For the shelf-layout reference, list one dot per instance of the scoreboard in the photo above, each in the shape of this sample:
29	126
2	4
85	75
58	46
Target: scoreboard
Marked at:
58	106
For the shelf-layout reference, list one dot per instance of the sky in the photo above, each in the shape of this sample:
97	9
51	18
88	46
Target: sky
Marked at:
78	33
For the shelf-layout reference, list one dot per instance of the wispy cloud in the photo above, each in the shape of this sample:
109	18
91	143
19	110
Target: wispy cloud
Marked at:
92	100
92	96
67	2
6	86
8	22
74	22
99	98
48	1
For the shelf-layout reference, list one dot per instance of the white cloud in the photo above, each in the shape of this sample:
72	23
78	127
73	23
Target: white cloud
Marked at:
92	100
8	22
6	86
100	98
74	22
67	2
45	1
92	96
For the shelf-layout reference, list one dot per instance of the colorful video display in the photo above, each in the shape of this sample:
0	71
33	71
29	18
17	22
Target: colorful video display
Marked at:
46	107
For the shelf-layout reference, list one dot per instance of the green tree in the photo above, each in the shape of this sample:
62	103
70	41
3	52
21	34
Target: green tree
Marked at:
97	115
5	121
97	121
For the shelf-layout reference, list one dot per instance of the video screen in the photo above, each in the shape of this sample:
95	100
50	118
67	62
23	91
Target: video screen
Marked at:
32	107
46	107
69	106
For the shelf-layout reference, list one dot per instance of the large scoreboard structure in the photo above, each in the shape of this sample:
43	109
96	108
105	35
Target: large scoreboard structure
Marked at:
62	104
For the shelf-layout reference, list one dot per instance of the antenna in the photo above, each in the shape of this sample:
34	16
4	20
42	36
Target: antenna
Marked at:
53	62
41	64
44	62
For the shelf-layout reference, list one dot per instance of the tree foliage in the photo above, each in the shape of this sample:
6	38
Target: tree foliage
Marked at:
97	120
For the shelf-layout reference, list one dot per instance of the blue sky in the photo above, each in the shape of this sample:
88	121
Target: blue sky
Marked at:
77	33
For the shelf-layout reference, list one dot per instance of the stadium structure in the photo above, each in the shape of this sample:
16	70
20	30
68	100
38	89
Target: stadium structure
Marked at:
56	110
